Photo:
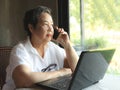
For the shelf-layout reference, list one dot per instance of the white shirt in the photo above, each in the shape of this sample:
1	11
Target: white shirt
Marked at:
24	53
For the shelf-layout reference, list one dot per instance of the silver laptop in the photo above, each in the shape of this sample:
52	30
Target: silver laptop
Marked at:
91	68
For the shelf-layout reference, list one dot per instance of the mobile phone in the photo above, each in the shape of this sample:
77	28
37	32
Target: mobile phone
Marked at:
56	34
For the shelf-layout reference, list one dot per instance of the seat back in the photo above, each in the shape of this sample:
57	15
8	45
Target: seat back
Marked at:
4	61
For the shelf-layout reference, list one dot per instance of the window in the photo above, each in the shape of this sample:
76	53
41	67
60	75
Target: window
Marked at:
100	27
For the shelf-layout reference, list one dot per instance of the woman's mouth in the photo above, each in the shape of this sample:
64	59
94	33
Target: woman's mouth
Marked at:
49	35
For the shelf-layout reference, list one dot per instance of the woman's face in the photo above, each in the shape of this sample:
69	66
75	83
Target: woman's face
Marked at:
44	28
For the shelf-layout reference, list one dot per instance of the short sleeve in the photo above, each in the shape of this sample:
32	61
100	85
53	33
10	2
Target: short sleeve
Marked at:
60	54
19	56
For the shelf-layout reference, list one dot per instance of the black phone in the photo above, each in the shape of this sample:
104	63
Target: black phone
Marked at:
56	33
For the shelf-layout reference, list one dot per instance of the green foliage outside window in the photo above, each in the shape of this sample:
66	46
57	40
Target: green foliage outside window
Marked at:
101	26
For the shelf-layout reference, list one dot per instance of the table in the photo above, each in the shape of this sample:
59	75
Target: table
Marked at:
109	82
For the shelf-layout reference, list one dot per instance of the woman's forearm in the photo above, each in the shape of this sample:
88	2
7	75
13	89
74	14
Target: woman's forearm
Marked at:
23	77
72	57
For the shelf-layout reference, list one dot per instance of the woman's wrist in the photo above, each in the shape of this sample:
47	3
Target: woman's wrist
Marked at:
68	46
64	71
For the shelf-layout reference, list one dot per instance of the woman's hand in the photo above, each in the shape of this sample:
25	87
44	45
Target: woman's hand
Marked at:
65	71
63	38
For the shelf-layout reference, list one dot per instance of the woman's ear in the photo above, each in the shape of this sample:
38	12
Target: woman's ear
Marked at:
30	28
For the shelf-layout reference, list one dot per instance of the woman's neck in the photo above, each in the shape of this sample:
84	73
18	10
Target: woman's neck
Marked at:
40	46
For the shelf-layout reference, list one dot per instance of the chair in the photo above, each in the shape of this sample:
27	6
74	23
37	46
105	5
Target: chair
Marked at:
4	60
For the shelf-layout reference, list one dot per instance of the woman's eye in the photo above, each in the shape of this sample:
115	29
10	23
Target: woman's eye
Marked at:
46	24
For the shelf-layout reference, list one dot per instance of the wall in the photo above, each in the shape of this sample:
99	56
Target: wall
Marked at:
11	16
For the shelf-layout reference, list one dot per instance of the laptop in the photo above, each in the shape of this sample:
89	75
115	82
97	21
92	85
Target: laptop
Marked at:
90	69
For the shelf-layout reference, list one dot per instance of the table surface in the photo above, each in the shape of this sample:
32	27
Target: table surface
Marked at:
109	82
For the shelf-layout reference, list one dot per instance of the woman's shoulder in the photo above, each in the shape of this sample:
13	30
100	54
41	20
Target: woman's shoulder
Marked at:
53	44
19	46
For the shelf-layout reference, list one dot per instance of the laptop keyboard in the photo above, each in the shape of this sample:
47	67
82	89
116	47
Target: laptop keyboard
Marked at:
62	84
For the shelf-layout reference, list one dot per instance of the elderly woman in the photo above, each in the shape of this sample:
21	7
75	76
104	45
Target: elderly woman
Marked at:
37	58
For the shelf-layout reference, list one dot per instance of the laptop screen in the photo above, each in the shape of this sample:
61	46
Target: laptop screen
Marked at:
91	68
